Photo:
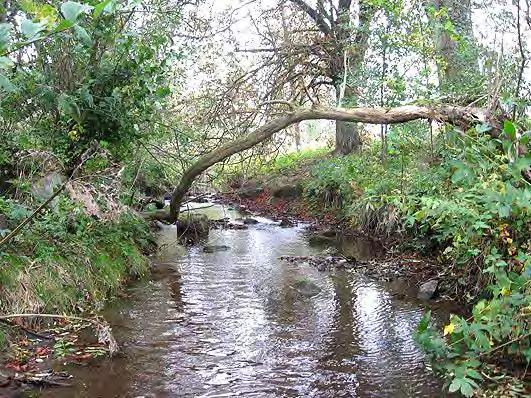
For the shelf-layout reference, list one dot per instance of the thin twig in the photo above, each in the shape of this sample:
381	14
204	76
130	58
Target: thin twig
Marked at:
19	227
30	332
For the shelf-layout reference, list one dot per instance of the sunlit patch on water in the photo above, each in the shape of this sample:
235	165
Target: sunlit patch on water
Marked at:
231	323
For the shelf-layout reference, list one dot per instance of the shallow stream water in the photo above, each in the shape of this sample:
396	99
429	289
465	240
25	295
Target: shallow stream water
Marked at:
231	324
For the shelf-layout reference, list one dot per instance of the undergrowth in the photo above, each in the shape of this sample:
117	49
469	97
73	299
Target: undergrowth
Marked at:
67	261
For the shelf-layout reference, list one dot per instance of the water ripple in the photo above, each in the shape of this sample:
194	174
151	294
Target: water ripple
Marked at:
231	324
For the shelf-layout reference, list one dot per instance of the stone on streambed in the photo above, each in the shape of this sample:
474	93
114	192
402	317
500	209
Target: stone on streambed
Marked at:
237	226
287	191
285	223
250	189
215	248
322	263
306	288
250	221
319	240
427	290
330	251
193	226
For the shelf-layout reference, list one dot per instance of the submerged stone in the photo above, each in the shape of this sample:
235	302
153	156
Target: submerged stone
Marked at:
427	289
329	233
318	240
215	248
307	288
285	223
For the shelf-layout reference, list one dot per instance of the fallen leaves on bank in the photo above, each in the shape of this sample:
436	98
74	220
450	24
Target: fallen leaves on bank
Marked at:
36	358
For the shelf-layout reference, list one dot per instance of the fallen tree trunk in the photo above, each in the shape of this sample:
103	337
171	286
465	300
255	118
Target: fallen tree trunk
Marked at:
456	115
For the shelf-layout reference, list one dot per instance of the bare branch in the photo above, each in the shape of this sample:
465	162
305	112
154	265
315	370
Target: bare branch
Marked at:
313	14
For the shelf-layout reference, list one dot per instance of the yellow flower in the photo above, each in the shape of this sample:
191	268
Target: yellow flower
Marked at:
73	134
505	291
449	329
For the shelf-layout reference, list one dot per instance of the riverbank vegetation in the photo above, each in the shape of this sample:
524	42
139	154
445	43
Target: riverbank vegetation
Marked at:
76	92
457	198
108	105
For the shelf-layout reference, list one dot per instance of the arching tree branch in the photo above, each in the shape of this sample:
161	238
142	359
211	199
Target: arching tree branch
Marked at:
315	15
457	115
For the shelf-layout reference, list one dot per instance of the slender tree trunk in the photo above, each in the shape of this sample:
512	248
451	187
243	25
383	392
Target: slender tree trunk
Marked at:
297	135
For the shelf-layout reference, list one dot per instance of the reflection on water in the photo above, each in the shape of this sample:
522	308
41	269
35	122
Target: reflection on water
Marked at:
231	324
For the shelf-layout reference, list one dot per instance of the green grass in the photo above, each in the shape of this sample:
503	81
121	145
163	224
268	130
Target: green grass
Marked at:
71	264
294	160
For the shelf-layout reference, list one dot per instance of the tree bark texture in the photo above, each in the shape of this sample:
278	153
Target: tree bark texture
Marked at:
458	65
346	47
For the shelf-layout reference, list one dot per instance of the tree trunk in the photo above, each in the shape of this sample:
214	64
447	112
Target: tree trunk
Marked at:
458	65
348	138
348	45
462	116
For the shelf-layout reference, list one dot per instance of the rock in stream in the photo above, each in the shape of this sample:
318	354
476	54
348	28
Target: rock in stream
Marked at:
215	248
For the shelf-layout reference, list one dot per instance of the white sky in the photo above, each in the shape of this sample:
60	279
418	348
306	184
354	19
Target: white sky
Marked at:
489	31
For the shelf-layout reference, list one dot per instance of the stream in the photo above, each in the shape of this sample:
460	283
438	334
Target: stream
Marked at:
231	323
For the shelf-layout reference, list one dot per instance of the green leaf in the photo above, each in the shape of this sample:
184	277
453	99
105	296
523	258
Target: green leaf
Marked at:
466	388
5	33
67	106
6	84
504	211
72	10
81	34
456	384
5	63
509	129
483	128
31	29
162	92
65	24
424	322
474	374
522	164
100	7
